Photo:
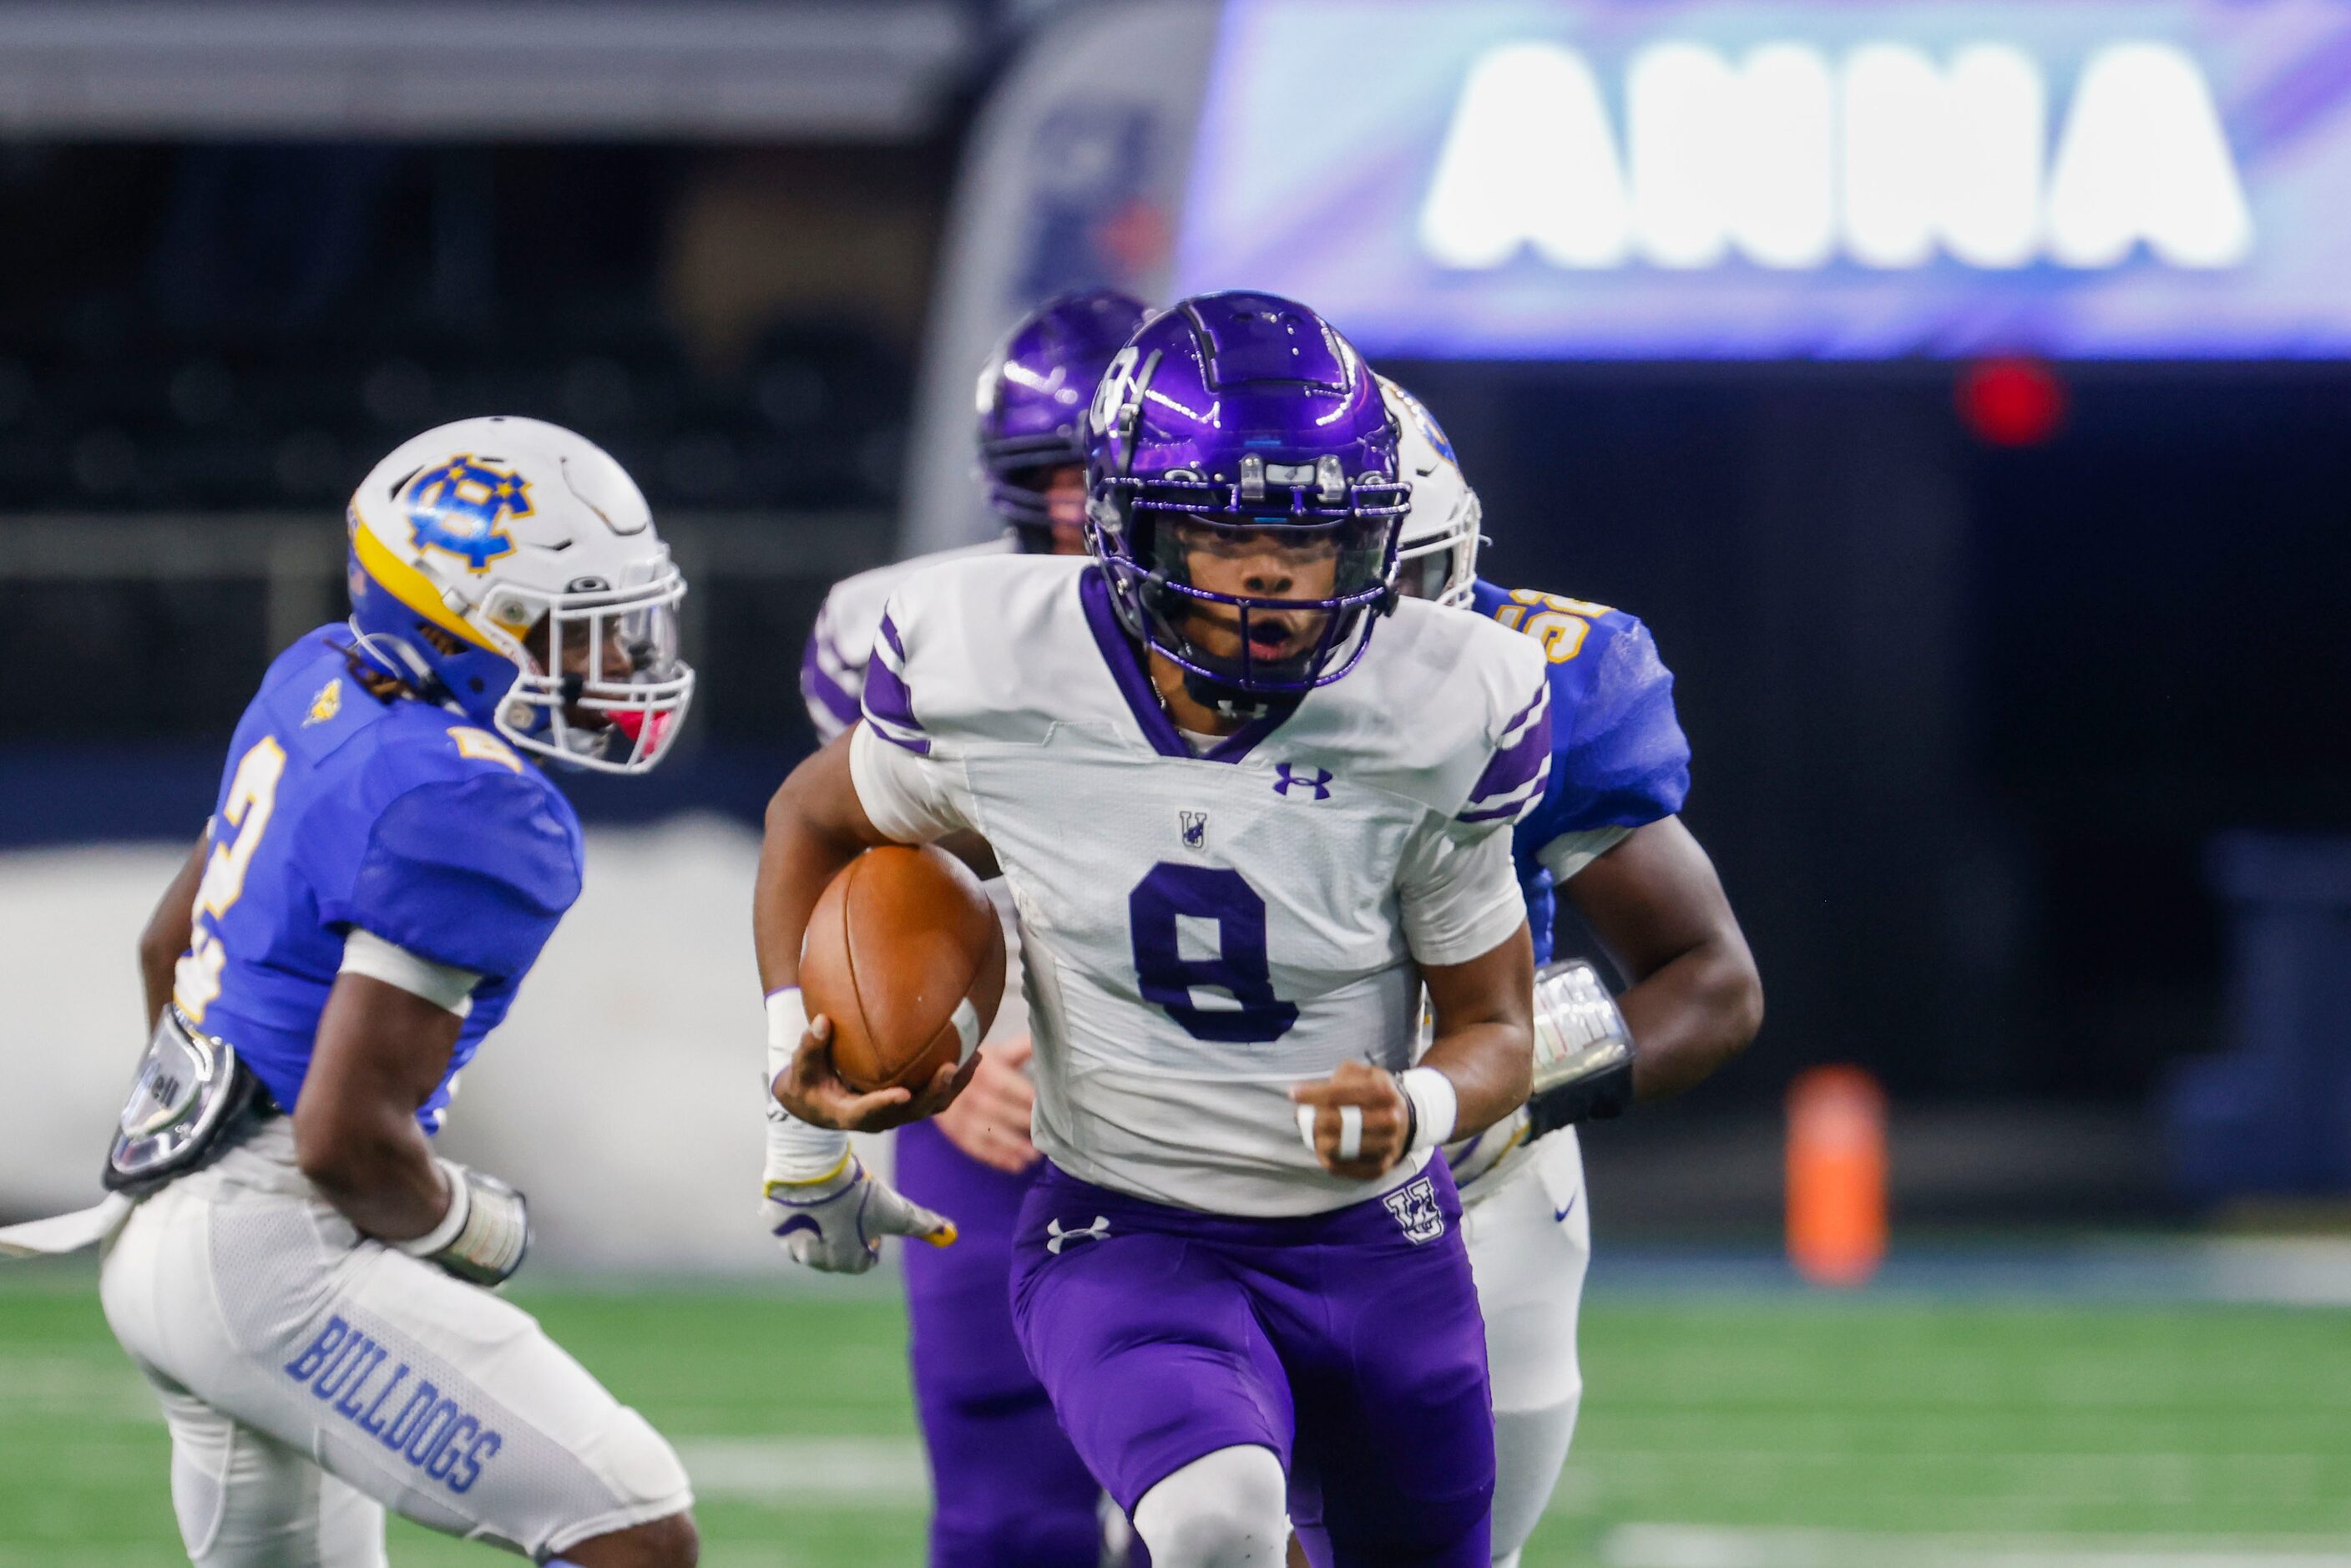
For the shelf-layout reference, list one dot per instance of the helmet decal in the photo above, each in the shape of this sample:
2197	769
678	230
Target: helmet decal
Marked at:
1119	388
1427	424
460	507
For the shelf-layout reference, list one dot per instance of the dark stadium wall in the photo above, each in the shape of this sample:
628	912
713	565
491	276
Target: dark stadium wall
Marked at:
1966	718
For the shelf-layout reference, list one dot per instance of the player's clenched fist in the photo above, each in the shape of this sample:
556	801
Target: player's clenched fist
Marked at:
1357	1120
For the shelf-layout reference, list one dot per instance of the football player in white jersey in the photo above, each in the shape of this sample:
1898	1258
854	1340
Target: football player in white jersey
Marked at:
1606	831
1034	392
1006	1487
1249	805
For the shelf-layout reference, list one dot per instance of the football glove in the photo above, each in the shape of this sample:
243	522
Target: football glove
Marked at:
819	1202
836	1222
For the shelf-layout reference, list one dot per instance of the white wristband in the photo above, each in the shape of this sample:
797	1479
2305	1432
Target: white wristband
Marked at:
797	1153
788	1019
1436	1106
461	1205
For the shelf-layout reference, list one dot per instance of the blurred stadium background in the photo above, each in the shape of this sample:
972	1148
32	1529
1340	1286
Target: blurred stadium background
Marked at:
1958	390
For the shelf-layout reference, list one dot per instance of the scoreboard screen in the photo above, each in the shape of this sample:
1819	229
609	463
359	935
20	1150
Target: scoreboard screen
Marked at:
1695	179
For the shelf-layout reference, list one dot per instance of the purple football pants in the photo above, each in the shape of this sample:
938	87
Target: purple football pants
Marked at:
1009	1491
1348	1343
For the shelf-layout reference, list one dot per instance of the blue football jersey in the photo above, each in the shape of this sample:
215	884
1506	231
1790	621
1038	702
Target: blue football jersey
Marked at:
1618	754
338	810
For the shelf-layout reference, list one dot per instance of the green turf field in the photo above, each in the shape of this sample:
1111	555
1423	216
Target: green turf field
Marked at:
1717	1432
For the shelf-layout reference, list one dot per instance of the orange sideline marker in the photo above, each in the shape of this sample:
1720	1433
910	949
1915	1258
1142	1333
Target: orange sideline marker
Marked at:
1836	1175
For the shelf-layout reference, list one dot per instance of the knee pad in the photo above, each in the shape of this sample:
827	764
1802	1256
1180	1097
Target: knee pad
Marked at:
636	1461
1530	1447
1224	1509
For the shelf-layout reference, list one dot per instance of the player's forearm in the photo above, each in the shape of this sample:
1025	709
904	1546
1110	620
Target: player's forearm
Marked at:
1692	1014
1656	902
378	1171
155	974
1492	1066
381	1052
168	932
803	849
1485	1040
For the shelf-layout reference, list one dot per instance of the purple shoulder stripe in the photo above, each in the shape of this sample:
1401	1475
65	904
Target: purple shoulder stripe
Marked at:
890	709
831	706
1514	778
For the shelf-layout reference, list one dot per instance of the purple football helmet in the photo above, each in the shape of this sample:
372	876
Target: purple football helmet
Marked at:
1034	394
1244	423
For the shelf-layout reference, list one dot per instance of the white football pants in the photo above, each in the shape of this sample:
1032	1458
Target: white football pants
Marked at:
312	1379
1530	1237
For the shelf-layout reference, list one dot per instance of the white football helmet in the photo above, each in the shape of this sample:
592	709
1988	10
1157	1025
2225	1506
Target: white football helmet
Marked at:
508	571
1437	553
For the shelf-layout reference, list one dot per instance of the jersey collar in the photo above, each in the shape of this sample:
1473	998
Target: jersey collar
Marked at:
1133	681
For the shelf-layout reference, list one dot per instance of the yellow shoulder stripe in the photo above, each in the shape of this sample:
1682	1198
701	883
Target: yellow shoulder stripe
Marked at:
483	746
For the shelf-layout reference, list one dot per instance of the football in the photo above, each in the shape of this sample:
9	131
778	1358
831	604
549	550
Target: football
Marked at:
904	954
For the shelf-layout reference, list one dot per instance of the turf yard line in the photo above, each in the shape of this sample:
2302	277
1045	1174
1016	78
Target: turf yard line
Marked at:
811	1470
1710	1546
2071	1471
76	1387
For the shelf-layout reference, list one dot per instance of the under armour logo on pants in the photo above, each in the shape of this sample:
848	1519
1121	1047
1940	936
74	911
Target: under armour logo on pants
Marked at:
1058	1238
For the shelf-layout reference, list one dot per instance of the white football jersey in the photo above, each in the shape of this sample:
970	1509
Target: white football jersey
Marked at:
833	667
1201	932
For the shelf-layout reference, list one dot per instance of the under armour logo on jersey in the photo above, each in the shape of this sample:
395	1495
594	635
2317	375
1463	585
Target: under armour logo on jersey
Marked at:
1286	778
1057	1237
1196	829
1415	1207
461	507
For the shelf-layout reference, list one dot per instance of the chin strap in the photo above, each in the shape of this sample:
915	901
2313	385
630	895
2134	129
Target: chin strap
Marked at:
388	657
